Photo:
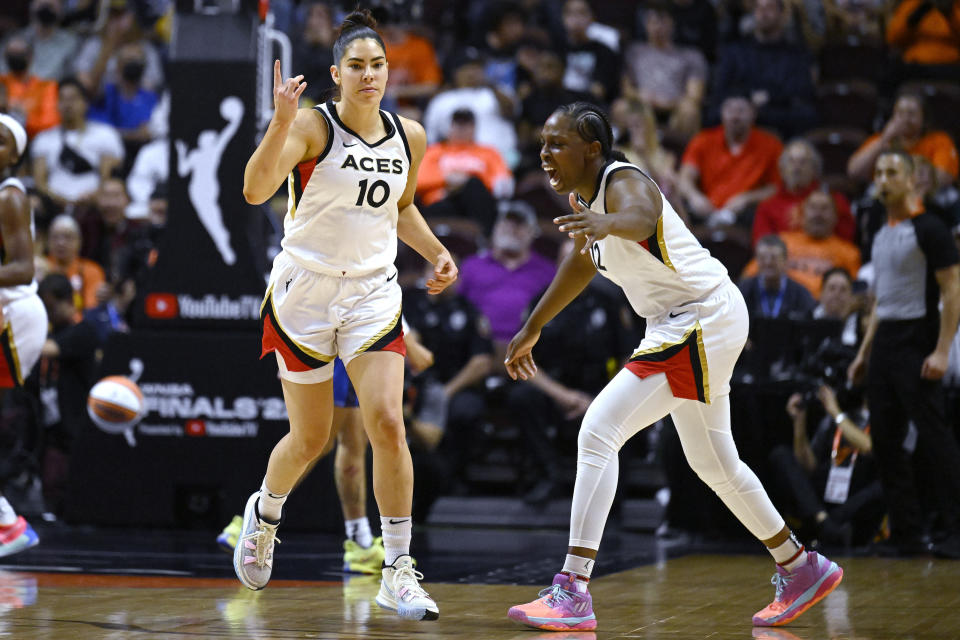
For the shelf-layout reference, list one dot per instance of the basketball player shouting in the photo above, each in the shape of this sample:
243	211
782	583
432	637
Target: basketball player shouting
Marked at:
696	327
24	319
351	171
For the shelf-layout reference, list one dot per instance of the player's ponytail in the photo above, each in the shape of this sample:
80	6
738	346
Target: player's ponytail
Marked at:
360	23
592	124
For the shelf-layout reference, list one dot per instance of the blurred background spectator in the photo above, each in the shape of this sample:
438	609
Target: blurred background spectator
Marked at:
70	160
814	249
85	276
591	66
729	168
460	178
97	61
801	170
52	45
31	98
313	49
492	109
776	74
668	78
772	293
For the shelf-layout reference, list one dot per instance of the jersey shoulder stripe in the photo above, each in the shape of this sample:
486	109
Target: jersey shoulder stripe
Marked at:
301	173
403	136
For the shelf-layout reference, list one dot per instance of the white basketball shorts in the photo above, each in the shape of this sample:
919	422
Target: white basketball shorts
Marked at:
696	345
22	338
309	318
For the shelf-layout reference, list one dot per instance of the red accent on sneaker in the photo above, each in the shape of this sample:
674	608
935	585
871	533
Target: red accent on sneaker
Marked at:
11	532
793	557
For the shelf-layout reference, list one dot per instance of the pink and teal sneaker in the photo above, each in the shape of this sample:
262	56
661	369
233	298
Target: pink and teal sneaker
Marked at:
560	607
799	590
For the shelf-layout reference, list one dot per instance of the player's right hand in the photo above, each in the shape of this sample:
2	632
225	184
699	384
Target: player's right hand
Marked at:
286	95
519	360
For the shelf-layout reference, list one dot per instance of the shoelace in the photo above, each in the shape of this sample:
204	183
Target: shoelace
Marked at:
555	595
780	582
407	576
264	537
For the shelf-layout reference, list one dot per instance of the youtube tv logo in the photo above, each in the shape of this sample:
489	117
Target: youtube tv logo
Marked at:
162	306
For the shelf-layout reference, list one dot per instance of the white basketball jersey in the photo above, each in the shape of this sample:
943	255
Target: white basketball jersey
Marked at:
9	294
342	212
664	271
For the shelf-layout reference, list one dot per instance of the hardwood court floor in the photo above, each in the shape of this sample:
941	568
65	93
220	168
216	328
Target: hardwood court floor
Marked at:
698	596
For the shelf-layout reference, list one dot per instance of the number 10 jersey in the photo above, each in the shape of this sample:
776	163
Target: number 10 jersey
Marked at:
342	207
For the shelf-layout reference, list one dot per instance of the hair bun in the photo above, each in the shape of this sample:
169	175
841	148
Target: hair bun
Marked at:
358	18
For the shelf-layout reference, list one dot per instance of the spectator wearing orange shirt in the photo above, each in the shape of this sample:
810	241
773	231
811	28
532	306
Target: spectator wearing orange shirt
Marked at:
63	256
800	170
731	167
414	72
33	99
459	176
906	131
815	249
926	32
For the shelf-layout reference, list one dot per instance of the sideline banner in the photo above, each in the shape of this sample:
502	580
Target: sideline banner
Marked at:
214	413
211	258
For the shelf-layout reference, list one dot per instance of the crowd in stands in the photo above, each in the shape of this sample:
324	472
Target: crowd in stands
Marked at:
761	120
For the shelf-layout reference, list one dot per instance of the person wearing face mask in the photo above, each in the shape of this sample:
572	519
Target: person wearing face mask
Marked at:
98	63
31	100
127	104
53	46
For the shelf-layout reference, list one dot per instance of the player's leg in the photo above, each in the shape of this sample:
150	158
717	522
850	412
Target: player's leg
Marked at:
362	552
624	407
378	379
803	578
310	409
22	334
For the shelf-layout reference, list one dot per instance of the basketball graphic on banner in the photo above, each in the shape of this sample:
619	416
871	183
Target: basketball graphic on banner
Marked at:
116	404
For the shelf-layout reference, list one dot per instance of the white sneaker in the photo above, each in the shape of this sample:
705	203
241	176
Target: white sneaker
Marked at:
400	591
253	555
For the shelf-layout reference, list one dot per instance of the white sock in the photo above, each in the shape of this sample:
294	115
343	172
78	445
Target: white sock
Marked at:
358	530
271	504
790	554
396	537
7	515
579	567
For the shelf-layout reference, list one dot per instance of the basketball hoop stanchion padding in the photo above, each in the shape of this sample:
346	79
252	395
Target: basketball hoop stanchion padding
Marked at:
211	258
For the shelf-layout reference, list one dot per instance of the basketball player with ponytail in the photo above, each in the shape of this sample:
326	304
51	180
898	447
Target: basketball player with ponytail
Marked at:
351	173
696	327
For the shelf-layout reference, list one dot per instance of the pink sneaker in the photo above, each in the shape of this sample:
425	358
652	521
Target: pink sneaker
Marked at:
799	590
560	607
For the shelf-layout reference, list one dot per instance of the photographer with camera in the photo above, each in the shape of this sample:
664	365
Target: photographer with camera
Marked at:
904	356
830	482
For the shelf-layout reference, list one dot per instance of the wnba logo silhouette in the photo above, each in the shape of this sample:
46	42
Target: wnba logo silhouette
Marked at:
202	165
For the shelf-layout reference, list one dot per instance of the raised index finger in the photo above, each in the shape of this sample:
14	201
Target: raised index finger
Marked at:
277	78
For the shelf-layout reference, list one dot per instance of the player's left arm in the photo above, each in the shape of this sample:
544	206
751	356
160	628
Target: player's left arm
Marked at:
634	205
17	243
412	229
935	365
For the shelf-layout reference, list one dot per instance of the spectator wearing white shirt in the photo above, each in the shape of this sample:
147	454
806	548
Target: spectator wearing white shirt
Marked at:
471	91
70	160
